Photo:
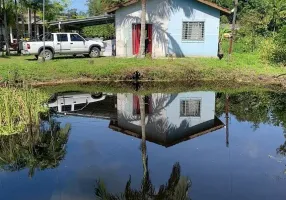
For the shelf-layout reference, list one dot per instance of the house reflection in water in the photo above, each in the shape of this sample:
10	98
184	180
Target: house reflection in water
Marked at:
170	119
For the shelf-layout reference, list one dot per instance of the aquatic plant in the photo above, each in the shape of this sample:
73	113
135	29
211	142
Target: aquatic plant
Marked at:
19	108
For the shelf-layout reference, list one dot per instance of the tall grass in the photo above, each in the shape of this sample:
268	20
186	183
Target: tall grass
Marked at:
19	108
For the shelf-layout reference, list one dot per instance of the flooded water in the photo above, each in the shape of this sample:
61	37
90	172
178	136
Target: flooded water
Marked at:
194	145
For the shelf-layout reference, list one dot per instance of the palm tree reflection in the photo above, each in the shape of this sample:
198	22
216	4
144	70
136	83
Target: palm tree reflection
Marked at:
40	148
176	188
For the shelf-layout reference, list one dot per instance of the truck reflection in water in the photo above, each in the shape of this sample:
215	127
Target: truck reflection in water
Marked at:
73	101
170	119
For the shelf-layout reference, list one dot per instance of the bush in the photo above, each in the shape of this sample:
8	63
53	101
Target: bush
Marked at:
224	19
274	48
267	48
106	31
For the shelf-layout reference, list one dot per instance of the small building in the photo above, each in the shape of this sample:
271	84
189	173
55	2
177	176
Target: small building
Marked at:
174	28
170	119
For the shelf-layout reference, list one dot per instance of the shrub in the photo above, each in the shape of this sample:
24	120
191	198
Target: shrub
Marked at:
106	31
267	48
274	48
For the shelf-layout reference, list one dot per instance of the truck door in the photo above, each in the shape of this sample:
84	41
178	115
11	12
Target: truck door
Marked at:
77	43
64	43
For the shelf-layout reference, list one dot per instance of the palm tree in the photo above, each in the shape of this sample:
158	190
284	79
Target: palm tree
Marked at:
143	29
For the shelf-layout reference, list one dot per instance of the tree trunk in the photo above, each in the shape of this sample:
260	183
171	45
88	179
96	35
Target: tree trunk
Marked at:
143	30
30	23
1	28
6	30
227	118
22	19
17	23
35	24
143	141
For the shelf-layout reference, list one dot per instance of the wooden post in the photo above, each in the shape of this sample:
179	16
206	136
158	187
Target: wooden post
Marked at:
232	29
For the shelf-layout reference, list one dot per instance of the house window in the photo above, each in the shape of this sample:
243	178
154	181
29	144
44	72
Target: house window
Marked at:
193	31
190	108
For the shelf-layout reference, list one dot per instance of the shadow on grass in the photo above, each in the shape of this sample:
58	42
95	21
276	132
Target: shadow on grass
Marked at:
61	58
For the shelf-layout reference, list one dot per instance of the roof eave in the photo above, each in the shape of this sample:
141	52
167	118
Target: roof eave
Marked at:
213	5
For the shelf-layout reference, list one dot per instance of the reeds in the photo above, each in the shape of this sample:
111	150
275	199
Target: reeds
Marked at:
19	108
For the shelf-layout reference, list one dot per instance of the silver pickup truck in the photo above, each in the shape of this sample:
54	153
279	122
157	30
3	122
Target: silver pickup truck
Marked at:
63	44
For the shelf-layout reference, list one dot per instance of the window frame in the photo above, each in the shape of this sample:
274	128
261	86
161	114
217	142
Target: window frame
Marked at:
191	40
83	40
191	99
61	38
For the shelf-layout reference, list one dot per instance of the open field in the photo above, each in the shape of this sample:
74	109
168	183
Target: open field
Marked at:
247	68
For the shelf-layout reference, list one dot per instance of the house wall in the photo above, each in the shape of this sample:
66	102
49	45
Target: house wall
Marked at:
166	114
156	15
192	10
207	111
167	17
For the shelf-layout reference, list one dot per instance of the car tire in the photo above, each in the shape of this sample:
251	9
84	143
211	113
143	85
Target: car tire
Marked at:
94	52
36	57
49	55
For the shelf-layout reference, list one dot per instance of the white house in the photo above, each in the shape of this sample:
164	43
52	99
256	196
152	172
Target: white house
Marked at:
174	27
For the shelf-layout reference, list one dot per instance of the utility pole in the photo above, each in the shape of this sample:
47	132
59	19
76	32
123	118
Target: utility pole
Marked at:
232	29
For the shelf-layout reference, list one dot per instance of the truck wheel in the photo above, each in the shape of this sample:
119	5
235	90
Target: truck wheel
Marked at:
36	57
48	55
94	52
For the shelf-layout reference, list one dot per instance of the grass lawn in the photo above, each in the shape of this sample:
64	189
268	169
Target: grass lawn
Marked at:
241	68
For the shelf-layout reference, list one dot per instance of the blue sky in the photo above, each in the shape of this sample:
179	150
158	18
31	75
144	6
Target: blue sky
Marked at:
80	5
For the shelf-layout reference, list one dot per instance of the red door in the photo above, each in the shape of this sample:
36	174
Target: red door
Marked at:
136	33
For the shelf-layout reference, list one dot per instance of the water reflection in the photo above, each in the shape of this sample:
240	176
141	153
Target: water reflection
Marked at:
99	155
170	119
40	148
177	187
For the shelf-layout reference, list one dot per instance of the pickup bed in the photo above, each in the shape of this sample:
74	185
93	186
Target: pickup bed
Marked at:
63	44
